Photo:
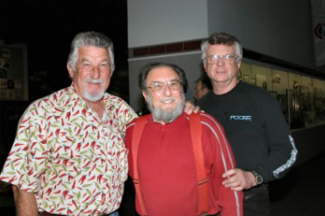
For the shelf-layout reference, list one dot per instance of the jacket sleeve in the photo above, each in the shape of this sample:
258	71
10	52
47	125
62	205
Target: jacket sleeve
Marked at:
281	147
230	202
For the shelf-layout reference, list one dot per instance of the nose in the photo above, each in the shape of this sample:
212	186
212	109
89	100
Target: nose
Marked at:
95	73
166	90
220	61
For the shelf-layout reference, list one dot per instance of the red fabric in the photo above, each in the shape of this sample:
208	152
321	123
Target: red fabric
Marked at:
167	169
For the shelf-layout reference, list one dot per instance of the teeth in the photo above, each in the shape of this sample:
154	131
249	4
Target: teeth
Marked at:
167	101
94	81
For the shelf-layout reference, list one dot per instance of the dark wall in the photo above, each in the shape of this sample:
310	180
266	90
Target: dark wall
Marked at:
10	112
310	142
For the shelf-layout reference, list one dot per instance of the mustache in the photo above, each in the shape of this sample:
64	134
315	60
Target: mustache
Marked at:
94	81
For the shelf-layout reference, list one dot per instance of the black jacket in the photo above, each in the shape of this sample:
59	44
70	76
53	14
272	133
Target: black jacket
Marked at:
256	129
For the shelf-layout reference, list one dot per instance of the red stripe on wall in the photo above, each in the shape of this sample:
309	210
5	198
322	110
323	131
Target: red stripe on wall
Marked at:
165	48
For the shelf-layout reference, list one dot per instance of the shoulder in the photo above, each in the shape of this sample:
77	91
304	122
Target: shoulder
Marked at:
211	128
135	121
259	94
119	107
206	99
113	100
255	90
116	103
209	123
49	102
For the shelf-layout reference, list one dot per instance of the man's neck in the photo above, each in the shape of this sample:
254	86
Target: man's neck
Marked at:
96	106
223	88
163	122
160	121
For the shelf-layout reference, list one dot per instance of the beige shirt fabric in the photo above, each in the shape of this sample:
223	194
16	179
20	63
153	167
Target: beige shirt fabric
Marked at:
74	162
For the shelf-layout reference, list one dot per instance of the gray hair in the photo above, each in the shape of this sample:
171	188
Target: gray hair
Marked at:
222	38
90	38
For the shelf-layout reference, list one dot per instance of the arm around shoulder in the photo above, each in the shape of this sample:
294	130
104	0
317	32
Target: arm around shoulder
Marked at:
25	202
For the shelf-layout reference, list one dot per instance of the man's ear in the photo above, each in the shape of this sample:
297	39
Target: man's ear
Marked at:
145	95
70	70
238	64
205	67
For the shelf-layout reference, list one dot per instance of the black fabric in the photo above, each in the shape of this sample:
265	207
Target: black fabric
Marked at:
255	127
257	201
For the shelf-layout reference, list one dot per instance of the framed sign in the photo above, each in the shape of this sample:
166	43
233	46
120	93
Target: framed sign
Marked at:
13	73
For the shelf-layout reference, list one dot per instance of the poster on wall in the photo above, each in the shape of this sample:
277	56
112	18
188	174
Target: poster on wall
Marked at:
263	77
280	81
246	73
13	73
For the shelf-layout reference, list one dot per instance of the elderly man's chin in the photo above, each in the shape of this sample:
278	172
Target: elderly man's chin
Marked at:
167	114
93	97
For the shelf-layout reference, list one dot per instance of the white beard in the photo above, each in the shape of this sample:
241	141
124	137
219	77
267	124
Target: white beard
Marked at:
163	115
95	96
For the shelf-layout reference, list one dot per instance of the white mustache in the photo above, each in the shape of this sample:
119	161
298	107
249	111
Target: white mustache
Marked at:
94	81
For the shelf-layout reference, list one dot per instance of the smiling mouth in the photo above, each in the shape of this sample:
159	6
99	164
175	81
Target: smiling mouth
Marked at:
220	71
167	101
94	81
94	84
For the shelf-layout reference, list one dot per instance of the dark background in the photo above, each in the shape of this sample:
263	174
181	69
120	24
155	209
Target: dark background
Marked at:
47	28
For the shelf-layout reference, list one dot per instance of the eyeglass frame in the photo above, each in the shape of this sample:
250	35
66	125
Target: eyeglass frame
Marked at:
177	87
226	57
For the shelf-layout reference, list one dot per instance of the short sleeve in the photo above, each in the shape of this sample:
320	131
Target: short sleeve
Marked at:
28	155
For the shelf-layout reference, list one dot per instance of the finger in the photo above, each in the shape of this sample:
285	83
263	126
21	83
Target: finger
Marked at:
231	182
234	186
229	173
238	188
189	107
197	109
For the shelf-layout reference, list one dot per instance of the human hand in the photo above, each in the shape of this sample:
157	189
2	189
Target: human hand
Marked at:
191	108
238	179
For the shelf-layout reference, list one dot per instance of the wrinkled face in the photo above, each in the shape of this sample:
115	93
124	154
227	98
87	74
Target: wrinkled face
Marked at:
164	94
222	70
92	74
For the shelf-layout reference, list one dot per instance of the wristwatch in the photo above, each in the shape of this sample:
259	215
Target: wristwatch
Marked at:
258	177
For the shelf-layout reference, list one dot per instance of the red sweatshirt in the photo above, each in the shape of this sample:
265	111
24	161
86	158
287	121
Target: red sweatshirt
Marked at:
167	168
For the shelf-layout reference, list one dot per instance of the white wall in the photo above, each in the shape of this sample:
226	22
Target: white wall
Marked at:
152	22
278	28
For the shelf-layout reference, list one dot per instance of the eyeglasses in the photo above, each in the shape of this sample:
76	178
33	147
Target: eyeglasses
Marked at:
213	59
174	85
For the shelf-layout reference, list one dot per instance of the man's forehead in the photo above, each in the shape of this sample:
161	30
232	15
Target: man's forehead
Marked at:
88	50
162	72
91	52
221	47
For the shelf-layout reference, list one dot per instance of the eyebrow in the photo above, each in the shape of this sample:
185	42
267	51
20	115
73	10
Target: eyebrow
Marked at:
88	60
167	80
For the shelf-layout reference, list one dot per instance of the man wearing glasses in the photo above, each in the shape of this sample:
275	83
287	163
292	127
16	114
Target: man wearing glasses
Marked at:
162	159
253	122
